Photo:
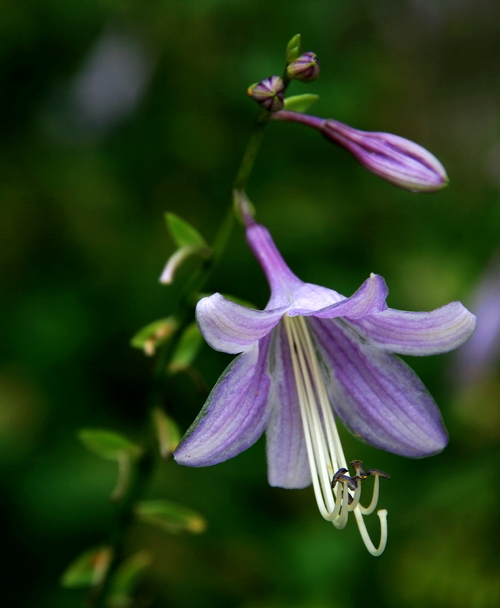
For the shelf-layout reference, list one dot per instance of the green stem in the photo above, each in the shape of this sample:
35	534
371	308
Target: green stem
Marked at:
197	282
124	513
253	145
123	518
248	160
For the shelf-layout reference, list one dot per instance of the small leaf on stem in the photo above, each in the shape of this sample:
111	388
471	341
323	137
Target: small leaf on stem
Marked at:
186	350
177	259
170	516
108	444
293	49
153	335
182	232
167	432
300	103
89	568
126	579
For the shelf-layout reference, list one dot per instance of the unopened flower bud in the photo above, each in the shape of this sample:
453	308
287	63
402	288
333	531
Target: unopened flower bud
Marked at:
269	93
395	159
304	68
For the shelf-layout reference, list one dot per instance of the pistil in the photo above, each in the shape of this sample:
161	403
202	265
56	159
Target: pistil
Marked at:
337	493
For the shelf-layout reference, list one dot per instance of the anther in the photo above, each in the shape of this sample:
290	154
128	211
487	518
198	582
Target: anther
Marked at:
359	469
378	473
362	474
341	477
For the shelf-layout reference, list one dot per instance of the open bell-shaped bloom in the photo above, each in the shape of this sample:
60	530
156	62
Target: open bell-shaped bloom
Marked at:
309	355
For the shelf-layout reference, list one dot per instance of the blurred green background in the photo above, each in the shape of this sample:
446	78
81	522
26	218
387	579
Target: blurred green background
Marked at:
114	112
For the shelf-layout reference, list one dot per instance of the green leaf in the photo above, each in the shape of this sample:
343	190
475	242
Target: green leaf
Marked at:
125	471
170	516
108	444
183	233
153	335
89	568
186	350
126	578
300	103
293	49
167	432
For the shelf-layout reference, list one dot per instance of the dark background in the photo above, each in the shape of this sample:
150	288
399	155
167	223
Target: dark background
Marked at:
113	112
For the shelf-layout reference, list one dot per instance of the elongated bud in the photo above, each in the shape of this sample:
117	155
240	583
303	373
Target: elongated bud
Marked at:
395	159
269	93
304	68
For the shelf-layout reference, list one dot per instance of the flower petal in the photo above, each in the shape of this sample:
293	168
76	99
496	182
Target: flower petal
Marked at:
287	461
368	299
232	328
309	298
281	279
376	395
235	414
418	333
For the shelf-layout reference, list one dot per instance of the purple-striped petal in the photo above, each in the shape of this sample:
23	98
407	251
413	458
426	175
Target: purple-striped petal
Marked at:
418	333
309	298
235	414
232	328
376	395
368	299
394	158
282	281
287	462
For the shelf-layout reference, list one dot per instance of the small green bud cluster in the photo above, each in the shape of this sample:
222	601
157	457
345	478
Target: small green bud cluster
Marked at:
269	93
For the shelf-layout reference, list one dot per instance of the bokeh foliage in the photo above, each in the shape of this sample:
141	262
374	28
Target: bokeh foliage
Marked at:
83	242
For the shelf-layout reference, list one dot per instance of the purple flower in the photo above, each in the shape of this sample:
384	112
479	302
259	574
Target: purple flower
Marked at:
310	354
396	159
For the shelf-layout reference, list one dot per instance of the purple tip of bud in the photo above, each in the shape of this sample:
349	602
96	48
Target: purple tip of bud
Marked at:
395	159
269	93
304	68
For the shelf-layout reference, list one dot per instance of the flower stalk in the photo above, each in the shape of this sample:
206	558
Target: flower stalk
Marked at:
140	475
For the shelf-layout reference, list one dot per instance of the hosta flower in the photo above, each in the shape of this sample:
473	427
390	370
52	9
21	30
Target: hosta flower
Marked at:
309	356
393	158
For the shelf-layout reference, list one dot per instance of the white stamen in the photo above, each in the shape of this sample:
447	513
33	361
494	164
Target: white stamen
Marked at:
324	449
